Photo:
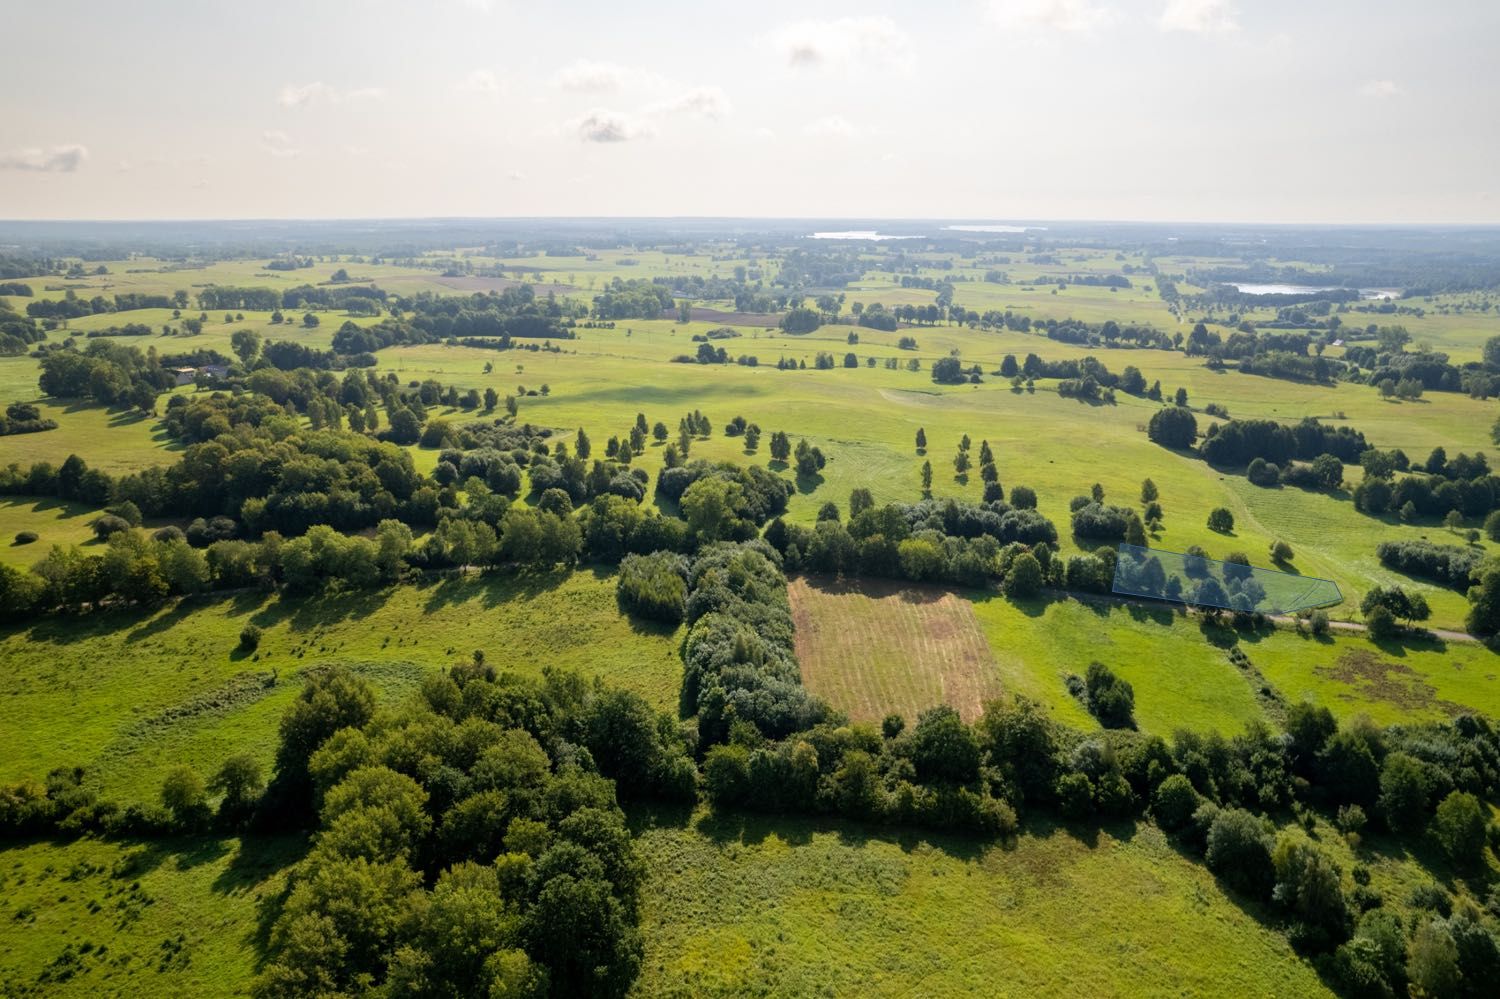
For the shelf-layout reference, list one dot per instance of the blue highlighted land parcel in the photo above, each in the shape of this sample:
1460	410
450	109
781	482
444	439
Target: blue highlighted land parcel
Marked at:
1206	582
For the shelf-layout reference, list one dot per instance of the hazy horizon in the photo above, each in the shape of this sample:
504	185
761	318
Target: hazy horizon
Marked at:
1081	110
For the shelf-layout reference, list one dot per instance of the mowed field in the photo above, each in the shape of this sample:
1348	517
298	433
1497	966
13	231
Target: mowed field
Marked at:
876	647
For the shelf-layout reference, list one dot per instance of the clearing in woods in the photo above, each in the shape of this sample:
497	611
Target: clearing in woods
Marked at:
872	647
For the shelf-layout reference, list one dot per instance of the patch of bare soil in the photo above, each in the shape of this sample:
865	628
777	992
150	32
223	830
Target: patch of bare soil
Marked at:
1381	679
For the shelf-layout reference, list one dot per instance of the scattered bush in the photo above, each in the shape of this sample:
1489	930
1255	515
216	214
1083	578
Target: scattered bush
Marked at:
250	637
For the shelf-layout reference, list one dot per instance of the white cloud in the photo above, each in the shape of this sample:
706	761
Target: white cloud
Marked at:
584	76
1052	15
705	102
843	43
831	127
480	81
1199	16
1380	88
301	95
58	159
603	125
277	143
515	175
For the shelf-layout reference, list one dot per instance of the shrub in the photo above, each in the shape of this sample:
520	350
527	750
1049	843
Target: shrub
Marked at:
1111	699
250	637
654	586
1174	803
1239	852
1459	828
1173	426
1075	796
26	537
1381	622
108	524
1220	520
1025	577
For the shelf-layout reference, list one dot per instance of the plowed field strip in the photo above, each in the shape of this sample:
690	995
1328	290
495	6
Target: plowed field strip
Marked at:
871	648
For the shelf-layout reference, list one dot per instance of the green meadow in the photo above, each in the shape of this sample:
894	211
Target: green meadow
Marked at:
743	904
760	906
128	695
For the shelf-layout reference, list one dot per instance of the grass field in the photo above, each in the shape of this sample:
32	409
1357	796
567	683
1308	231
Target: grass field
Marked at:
129	695
770	907
865	420
872	648
750	905
179	918
54	522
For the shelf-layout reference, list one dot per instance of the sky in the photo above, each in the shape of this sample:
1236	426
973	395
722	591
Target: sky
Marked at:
1173	110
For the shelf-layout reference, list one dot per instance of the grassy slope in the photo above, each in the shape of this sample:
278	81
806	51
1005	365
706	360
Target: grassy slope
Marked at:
789	907
130	695
175	918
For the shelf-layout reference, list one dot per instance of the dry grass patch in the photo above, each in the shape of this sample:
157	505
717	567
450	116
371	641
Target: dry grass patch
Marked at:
872	647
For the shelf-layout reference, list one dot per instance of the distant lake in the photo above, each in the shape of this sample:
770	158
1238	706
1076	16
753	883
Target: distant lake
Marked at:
870	234
994	228
1307	289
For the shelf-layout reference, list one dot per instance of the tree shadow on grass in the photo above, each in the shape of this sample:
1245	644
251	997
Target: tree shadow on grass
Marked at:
258	860
128	417
1396	646
319	610
491	590
808	483
1158	614
726	827
165	621
641	816
1217	633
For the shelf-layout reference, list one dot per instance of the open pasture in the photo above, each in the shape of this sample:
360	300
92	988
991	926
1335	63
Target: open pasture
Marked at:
761	906
178	917
865	419
131	694
1184	678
